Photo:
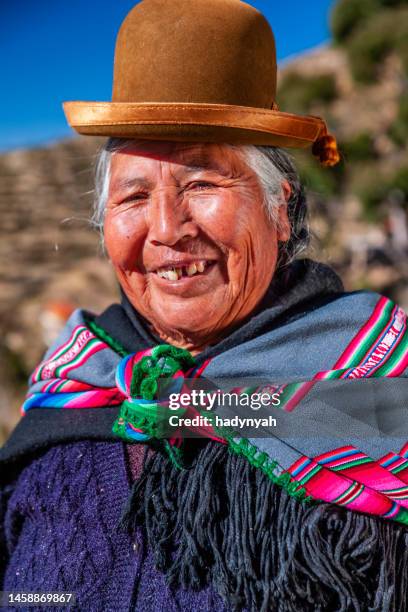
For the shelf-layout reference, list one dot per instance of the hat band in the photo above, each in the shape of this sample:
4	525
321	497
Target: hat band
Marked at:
81	114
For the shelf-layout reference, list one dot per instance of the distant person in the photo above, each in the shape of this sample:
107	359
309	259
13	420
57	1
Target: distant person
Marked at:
205	222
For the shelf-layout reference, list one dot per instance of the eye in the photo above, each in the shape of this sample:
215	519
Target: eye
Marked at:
202	185
135	197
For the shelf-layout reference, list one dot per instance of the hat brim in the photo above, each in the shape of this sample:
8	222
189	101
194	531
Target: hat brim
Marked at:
192	122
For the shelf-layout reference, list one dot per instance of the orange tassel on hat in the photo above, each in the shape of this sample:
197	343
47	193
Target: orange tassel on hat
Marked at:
325	149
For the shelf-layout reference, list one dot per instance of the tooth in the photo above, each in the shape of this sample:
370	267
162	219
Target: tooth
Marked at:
161	273
191	269
172	275
179	272
200	266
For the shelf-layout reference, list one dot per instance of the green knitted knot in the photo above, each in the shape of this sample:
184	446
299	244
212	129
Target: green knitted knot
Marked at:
142	409
164	362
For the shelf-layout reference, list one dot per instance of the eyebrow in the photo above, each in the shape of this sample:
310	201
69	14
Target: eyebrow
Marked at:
136	181
198	163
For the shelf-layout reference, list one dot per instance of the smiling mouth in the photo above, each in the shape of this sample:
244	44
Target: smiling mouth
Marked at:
176	272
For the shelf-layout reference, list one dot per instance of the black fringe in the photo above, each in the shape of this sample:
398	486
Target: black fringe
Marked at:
222	522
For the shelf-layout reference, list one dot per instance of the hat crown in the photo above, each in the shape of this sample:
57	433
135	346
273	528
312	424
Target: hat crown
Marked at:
200	51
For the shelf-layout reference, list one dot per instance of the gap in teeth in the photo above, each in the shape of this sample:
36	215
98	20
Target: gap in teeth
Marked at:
174	273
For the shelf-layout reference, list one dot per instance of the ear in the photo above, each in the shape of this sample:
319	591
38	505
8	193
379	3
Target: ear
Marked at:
283	225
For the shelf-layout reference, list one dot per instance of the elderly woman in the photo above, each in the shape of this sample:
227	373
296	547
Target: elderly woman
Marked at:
100	497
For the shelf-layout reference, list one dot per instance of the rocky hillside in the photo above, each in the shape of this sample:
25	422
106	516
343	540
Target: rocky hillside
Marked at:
359	208
359	85
50	258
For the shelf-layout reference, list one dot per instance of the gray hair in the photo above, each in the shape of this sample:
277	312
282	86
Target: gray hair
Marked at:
270	164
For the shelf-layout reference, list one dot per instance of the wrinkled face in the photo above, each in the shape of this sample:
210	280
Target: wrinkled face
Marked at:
189	238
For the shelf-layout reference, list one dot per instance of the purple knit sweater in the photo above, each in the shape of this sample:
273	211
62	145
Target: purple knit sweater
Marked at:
61	531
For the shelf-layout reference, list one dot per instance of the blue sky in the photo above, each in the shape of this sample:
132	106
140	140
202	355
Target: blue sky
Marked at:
56	50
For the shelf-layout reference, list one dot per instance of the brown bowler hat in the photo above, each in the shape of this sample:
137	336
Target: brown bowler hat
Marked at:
198	70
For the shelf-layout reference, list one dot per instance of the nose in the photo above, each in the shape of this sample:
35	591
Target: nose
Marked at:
169	218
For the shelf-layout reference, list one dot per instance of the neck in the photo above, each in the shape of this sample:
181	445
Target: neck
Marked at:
192	343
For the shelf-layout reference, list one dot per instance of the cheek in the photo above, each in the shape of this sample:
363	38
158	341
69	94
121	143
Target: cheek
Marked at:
239	224
124	236
223	218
